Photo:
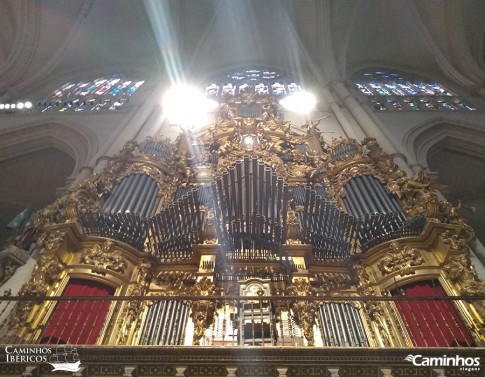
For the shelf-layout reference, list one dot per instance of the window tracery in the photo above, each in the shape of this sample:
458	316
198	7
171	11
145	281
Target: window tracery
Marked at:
259	81
400	91
103	93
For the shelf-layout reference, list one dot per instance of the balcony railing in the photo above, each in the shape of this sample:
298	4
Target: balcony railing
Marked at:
236	321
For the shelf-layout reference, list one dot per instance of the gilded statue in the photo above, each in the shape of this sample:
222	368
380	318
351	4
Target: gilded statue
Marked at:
405	186
312	126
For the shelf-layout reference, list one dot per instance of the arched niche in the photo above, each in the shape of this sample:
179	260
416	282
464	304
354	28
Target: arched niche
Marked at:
35	160
456	152
76	140
31	181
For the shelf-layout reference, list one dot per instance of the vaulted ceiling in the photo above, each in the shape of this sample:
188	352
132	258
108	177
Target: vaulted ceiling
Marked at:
50	41
45	43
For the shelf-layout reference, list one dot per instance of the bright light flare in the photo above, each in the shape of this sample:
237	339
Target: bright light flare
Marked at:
187	106
300	102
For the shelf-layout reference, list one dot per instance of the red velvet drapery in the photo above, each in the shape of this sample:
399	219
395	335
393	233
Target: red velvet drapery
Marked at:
78	322
432	323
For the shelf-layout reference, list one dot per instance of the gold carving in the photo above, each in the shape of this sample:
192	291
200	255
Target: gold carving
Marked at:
210	234
363	277
175	282
331	281
459	271
455	243
46	272
293	234
133	308
449	214
202	311
102	258
51	240
304	311
402	259
421	202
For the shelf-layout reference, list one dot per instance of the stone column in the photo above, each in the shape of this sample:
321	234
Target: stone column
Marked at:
347	127
369	126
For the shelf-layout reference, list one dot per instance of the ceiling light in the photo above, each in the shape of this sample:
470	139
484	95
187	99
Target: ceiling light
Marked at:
20	105
186	106
300	102
2	106
7	106
28	105
12	106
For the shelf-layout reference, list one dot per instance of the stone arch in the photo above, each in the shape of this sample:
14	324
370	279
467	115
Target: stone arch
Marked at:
73	139
466	138
456	151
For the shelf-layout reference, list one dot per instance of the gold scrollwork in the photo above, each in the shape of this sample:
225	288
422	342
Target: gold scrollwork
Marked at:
402	259
304	311
202	311
102	258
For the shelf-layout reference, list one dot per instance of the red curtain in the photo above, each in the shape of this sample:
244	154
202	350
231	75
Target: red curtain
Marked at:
432	323
77	321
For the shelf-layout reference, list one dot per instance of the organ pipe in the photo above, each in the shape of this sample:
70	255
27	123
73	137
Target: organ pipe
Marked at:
342	326
135	194
165	323
366	195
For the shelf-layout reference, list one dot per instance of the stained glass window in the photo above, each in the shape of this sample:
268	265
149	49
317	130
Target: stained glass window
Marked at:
259	81
399	91
104	93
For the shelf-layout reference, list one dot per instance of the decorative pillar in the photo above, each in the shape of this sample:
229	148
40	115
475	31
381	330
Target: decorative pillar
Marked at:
180	371
80	372
30	371
129	371
231	371
282	371
385	372
439	372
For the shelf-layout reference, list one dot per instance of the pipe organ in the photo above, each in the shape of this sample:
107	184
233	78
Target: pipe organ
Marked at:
249	233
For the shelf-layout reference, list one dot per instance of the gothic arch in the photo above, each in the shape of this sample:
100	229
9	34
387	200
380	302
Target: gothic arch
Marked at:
74	139
465	138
